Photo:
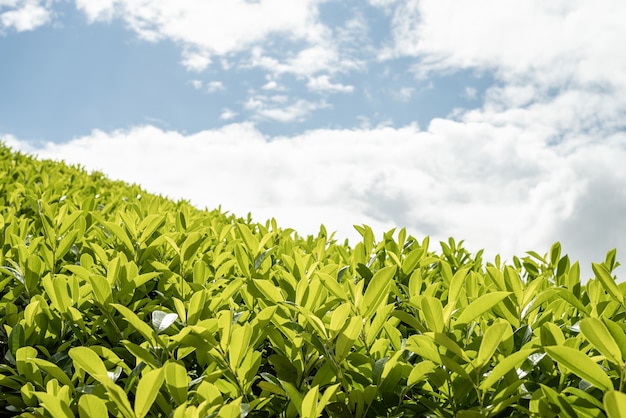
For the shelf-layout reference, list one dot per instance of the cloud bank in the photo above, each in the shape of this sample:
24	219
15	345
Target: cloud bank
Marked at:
498	187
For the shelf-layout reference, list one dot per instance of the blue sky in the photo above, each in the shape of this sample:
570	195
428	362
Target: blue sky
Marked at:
498	122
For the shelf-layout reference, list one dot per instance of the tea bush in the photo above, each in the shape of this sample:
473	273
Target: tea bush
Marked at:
116	302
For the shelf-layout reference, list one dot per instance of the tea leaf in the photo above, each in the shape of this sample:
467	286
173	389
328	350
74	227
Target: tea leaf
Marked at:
480	306
581	365
604	276
491	339
615	404
177	381
130	317
377	291
433	313
596	332
504	366
86	359
147	391
90	406
55	406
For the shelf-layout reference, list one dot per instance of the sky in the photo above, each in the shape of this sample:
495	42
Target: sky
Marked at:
497	122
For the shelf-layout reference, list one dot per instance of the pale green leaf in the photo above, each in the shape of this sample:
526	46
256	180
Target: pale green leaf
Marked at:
90	406
581	365
433	313
177	381
504	366
480	306
491	339
615	404
599	336
604	276
377	291
147	391
86	359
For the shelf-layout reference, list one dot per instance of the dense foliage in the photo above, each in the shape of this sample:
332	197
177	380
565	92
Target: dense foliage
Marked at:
115	302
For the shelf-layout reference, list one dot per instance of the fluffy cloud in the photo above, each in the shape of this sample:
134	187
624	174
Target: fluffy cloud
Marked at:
323	84
211	28
280	108
23	15
505	188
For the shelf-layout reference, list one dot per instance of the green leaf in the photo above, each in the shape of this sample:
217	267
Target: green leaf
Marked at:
149	225
16	339
294	395
581	365
309	403
332	285
53	370
252	243
420	370
411	261
480	306
268	290
147	391
604	276
433	313
191	245
54	405
377	291
121	235
241	336
144	329
615	404
599	336
232	410
118	396
86	359
177	381
90	406
504	366
618	334
454	291
569	297
101	289
491	339
347	337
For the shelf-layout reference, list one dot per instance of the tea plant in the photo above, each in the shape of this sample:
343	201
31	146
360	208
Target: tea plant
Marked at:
116	302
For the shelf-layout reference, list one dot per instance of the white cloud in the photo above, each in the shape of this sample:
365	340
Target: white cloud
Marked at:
280	109
211	28
228	114
306	62
196	60
503	187
323	84
213	86
550	43
272	85
97	10
197	84
23	15
404	94
471	93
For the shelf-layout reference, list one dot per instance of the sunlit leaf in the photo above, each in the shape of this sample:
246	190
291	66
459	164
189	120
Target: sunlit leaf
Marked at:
615	404
596	332
147	391
580	364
